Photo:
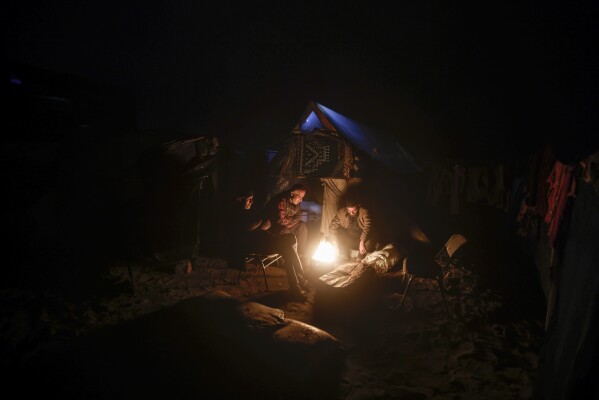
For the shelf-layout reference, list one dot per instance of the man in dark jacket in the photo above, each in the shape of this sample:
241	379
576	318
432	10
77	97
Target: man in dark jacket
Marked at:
351	229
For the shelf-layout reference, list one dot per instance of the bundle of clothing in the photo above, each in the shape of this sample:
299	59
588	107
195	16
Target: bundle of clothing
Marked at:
375	264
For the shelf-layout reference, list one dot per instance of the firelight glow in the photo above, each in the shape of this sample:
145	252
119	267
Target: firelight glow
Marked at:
325	253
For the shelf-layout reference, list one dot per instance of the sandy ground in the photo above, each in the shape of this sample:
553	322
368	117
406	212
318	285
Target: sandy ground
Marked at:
484	351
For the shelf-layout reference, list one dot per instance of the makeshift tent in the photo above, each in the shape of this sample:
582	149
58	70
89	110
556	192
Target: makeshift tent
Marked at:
338	152
380	147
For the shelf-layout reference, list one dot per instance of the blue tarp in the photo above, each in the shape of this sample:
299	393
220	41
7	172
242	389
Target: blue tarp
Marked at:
381	147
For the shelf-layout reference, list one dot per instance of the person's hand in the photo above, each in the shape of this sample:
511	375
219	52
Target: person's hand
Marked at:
255	225
265	225
362	247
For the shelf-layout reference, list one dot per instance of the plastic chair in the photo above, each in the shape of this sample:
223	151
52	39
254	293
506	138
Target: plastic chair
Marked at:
433	269
264	260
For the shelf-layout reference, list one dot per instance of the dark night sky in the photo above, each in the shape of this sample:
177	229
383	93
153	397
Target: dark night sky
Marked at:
428	72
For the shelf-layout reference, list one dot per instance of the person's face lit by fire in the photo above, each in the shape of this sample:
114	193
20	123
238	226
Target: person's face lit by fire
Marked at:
297	196
248	202
352	211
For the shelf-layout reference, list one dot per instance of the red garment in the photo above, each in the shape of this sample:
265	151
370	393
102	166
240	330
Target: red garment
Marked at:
282	213
545	164
561	186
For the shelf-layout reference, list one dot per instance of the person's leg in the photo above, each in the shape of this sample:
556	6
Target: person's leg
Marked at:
286	245
347	242
293	266
301	233
300	230
343	244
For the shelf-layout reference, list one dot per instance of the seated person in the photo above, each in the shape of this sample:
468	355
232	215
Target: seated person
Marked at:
249	233
284	212
350	229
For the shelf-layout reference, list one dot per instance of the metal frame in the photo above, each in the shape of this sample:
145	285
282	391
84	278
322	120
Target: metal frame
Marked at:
265	261
444	259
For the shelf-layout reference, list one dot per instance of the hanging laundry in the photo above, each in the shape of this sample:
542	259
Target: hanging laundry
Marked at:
561	187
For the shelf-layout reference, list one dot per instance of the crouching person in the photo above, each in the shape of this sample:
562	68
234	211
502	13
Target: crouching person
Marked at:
351	229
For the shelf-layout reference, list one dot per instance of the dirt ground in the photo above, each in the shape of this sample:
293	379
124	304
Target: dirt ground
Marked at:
489	348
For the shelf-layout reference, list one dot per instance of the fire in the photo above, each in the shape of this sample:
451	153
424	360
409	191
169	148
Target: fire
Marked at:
325	253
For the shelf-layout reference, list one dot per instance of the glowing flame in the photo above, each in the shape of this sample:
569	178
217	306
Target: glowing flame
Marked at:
325	253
